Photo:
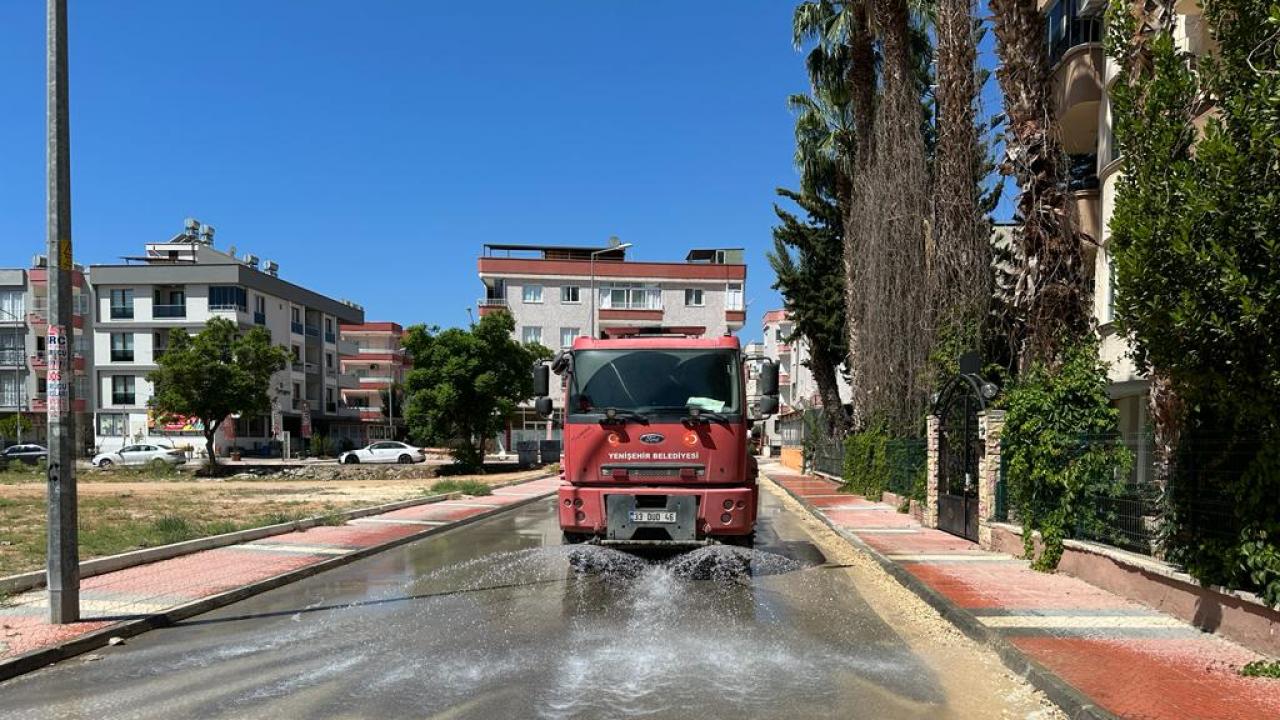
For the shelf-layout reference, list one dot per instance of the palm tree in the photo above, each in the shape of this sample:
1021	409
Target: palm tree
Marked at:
843	62
960	261
810	278
1050	289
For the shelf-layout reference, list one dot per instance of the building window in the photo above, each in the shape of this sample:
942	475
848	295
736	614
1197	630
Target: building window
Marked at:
295	321
10	392
567	334
329	336
693	297
630	296
570	294
531	334
328	360
228	297
733	296
122	304
121	347
159	343
12	305
122	390
297	395
531	294
113	424
259	310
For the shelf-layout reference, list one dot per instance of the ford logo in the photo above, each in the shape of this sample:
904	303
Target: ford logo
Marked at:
652	438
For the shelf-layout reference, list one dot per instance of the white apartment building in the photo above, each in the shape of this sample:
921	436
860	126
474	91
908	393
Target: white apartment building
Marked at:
547	290
180	284
24	328
797	389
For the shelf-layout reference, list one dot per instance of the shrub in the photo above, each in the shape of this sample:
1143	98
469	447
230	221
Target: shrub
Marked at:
466	487
1059	441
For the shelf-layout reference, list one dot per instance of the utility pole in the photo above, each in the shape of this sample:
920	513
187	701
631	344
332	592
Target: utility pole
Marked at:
63	550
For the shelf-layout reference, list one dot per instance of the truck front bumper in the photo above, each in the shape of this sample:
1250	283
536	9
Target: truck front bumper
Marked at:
719	511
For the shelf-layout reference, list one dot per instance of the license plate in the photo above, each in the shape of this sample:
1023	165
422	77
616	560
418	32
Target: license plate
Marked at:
653	516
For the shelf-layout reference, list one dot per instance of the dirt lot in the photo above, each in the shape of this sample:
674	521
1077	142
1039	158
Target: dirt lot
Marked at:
122	511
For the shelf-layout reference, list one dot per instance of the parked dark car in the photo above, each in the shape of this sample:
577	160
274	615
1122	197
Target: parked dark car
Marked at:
29	454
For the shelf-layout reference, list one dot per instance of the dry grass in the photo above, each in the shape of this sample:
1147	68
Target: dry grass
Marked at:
119	514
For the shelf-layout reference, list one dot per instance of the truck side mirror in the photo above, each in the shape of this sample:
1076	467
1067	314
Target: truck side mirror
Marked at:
768	405
769	381
541	380
543	406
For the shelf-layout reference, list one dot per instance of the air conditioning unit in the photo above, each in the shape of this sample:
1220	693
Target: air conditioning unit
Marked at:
271	267
251	260
39	261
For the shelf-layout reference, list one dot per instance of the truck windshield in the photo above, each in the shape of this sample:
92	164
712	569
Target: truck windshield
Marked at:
654	381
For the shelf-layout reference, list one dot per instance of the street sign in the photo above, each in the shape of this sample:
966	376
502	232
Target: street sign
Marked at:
56	386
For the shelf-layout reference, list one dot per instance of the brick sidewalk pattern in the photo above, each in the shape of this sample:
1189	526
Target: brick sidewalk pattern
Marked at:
134	592
1128	659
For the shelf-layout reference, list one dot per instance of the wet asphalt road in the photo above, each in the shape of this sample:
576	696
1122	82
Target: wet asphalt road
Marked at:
488	621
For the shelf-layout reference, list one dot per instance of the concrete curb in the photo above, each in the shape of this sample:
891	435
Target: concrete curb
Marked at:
36	659
1074	703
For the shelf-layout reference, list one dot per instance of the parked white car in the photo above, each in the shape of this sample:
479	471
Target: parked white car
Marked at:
384	451
141	454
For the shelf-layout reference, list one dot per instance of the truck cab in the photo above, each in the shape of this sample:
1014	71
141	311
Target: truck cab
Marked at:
657	437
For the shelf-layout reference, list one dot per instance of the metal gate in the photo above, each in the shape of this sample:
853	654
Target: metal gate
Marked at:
960	448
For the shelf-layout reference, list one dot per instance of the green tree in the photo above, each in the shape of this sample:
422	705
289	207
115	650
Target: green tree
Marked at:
807	257
12	424
466	382
215	374
1194	241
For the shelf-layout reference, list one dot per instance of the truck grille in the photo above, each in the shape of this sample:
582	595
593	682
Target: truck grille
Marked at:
653	471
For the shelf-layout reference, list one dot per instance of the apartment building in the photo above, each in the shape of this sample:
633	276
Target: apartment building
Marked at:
177	286
1082	76
24	327
547	290
372	361
797	389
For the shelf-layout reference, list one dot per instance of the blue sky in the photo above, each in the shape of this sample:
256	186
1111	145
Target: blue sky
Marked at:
371	148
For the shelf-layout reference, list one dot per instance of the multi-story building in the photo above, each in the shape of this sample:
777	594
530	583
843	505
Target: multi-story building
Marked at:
797	389
547	290
178	285
24	367
373	362
1082	76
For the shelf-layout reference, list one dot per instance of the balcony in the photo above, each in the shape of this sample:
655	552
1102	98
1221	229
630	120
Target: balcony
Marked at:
122	356
488	306
295	328
331	408
297	366
123	398
10	357
1088	213
259	318
121	312
169	311
330	338
311	330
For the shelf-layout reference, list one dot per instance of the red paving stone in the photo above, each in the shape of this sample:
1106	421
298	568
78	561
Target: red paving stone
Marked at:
921	542
1158	679
148	588
1182	675
871	519
352	536
842	501
1013	586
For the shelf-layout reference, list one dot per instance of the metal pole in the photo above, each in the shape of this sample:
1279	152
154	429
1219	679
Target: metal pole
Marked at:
593	296
63	553
391	403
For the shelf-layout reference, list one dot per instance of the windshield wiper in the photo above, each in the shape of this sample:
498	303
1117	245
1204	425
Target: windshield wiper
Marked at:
614	415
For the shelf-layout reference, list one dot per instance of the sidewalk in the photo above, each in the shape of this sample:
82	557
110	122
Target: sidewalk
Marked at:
1091	649
132	600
